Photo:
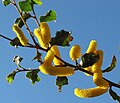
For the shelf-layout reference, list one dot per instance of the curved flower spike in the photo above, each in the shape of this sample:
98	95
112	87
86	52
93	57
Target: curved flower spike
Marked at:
48	68
23	40
75	52
91	92
92	46
55	49
102	85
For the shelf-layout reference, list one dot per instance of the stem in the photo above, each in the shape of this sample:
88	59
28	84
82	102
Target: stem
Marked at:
5	37
37	22
27	28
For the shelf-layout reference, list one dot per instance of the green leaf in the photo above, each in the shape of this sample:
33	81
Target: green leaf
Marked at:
88	59
61	81
6	2
62	38
112	65
33	76
39	2
10	77
49	16
15	42
26	5
19	21
114	95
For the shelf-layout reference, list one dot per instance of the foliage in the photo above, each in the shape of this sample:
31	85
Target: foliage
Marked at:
92	59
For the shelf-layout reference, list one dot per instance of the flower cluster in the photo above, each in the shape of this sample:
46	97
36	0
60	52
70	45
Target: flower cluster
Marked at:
23	40
102	85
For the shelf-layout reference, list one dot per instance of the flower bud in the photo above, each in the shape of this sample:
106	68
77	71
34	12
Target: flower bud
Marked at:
75	52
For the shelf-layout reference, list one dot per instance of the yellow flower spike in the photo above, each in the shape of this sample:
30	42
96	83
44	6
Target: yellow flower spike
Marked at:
55	49
43	35
47	67
23	40
75	52
100	61
91	92
39	37
92	46
49	57
56	71
45	31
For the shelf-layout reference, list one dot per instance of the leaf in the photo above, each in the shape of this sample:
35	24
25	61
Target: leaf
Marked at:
39	2
112	65
49	16
33	76
6	2
17	59
38	57
61	81
88	59
10	77
26	5
19	21
114	95
15	42
62	38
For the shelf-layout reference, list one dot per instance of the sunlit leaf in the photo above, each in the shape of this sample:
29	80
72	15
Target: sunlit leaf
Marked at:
114	95
6	2
33	76
39	2
88	59
49	16
62	38
26	5
10	77
112	65
60	82
19	21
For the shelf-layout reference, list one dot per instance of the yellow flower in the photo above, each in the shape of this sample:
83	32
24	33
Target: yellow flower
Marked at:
75	52
100	61
23	40
56	71
57	53
91	92
43	35
92	46
102	85
48	68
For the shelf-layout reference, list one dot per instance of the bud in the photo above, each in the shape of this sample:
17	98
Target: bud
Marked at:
75	52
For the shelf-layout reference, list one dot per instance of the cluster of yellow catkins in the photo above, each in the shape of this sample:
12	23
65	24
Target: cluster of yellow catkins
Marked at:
44	37
102	85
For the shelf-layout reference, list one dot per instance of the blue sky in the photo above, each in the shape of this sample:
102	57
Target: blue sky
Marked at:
87	19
